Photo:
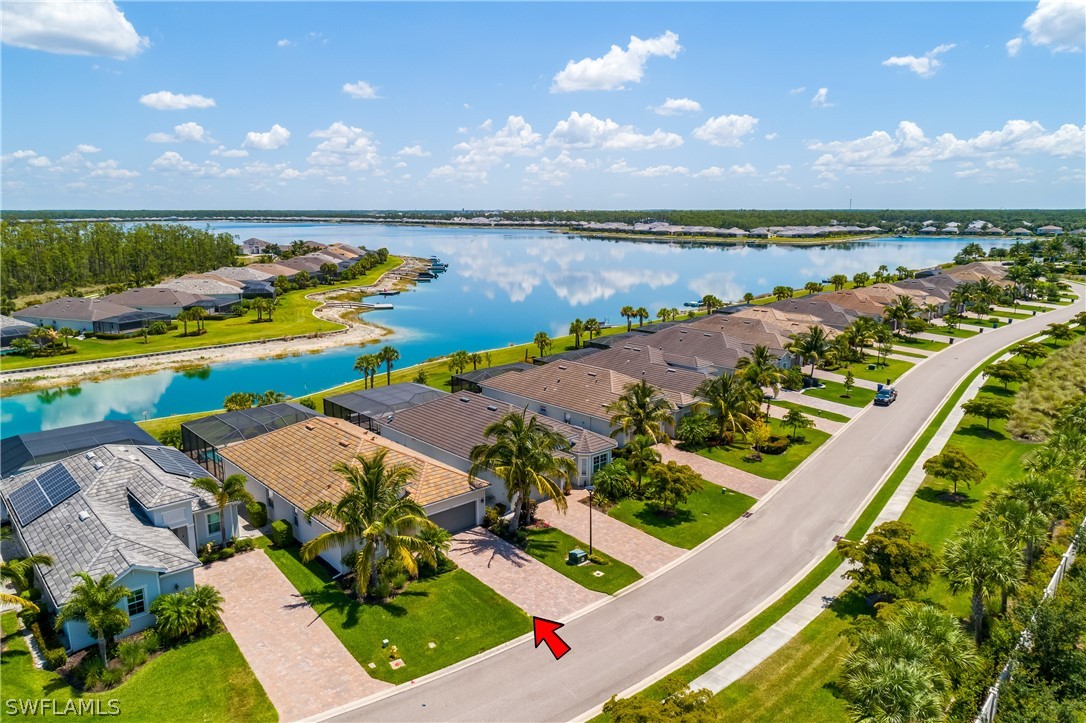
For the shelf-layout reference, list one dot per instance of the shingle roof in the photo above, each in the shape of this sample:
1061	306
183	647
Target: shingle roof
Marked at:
76	309
296	463
242	273
275	270
477	375
817	305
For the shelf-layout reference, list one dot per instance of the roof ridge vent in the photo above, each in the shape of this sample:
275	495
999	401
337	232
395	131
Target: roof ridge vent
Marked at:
344	443
465	400
90	455
491	407
83	515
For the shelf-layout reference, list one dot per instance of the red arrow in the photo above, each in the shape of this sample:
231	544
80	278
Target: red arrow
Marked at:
545	632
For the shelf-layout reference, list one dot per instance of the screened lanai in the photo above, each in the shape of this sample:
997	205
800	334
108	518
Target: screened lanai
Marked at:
202	438
371	406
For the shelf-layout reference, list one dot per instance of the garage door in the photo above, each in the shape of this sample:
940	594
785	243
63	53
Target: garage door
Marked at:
456	519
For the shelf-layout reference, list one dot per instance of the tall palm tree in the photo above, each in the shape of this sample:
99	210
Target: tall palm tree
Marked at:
642	314
839	281
642	410
980	559
761	370
1023	525
8	599
734	399
525	455
629	313
367	365
640	456
387	356
861	332
375	514
592	327
812	346
95	602
961	296
576	328
543	341
19	571
185	317
901	310
476	359
231	490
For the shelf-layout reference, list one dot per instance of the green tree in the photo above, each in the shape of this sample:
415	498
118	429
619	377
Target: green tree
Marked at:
860	280
797	420
642	314
812	346
711	302
988	408
458	361
612	481
439	539
954	466
182	614
543	341
67	332
782	292
19	571
367	365
901	310
733	399
527	455
1030	351
628	312
239	400
839	281
270	397
592	327
374	514
1008	372
329	271
758	435
641	410
388	355
760	369
694	430
95	603
980	559
889	563
576	328
231	491
903	272
850	382
1023	525
476	359
640	456
1060	332
812	287
677	704
670	485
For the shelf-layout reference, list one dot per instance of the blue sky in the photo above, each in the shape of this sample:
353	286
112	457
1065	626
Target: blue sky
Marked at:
548	106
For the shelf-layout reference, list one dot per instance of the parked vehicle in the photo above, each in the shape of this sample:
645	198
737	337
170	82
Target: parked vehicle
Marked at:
885	396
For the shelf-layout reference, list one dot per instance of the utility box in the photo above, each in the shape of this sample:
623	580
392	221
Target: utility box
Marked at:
577	556
871	367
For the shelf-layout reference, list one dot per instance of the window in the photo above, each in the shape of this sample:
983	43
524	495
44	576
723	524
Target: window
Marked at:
137	605
600	460
214	523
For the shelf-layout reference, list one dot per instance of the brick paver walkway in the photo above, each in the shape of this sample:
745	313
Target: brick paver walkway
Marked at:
301	664
520	578
717	473
638	549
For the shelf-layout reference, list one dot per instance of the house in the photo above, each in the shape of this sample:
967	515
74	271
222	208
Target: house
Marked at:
929	230
226	292
170	302
768	330
126	510
243	273
448	427
469	380
356	251
21	452
574	393
275	270
1049	230
368	407
819	306
860	304
290	470
255	246
642	361
100	316
1021	232
12	329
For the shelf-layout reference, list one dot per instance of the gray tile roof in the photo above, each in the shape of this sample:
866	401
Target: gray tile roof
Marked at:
75	309
202	284
157	296
242	273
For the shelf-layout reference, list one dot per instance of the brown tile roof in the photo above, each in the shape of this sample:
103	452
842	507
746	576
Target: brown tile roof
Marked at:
747	330
296	462
818	305
890	292
275	270
706	347
641	361
785	323
864	305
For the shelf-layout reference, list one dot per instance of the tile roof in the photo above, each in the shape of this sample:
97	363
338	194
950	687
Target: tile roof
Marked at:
701	347
7	322
818	305
642	361
275	270
76	309
296	463
157	296
752	331
860	304
242	273
203	284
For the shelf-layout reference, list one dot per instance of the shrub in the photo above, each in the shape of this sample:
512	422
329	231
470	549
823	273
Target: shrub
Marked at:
90	672
112	677
226	553
132	654
55	657
158	328
382	590
258	513
492	518
245	544
53	652
282	534
775	445
151	642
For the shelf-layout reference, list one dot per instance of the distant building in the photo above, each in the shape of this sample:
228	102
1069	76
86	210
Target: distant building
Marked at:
170	302
1050	230
256	247
227	293
1021	232
99	316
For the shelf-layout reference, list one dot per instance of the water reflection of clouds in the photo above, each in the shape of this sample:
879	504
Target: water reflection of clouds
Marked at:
103	400
581	288
721	284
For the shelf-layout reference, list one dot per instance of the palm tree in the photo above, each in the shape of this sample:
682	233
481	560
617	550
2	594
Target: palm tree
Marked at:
198	313
642	314
185	317
592	327
374	514
366	364
640	456
387	356
663	314
1023	525
231	490
67	332
95	602
476	359
261	305
861	279
980	559
838	281
642	410
543	341
812	346
734	399
711	302
207	601
576	328
525	455
812	287
903	272
9	599
629	313
760	369
861	332
901	310
19	571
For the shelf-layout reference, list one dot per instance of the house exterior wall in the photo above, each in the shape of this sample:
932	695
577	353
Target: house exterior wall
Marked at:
76	324
577	419
79	636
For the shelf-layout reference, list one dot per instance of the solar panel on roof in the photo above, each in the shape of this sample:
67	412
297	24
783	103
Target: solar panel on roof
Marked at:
174	461
58	484
43	493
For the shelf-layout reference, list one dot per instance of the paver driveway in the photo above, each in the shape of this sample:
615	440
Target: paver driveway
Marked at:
301	664
719	474
520	578
638	549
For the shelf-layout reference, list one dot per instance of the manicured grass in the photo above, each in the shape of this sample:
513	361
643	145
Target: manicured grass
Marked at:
1031	308
772	466
705	513
293	316
959	333
155	427
917	343
890	369
1002	315
909	353
206	680
551	546
811	411
461	615
835	392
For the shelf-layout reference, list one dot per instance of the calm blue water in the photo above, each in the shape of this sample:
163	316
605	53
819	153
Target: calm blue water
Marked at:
502	286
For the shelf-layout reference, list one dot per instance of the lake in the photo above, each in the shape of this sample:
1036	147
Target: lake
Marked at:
502	286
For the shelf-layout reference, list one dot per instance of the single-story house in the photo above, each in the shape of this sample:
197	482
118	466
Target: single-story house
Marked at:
226	292
12	329
20	452
819	306
290	470
160	300
469	380
1021	232
448	427
100	316
275	270
255	246
129	511
1050	230
242	273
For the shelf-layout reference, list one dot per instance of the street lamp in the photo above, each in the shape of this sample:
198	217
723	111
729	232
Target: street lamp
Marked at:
590	489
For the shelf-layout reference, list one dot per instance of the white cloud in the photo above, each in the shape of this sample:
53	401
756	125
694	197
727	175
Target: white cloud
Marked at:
710	172
718	172
345	145
184	132
909	149
173	162
677	106
780	173
291	174
819	100
1003	164
230	153
744	170
618	67
487	125
926	65
620	166
657	171
587	131
726	130
797	91
165	100
556	170
110	169
277	137
39	161
1059	24
87	148
400	164
70	28
360	89
1013	46
416	151
478	155
283	43
19	155
770	136
462	129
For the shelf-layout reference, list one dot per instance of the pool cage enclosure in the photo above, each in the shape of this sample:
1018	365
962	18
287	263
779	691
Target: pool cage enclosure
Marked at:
202	438
372	407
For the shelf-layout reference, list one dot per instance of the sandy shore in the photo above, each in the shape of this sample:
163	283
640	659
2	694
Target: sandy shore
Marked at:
357	332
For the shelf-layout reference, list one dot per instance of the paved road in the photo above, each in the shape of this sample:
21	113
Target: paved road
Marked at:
621	643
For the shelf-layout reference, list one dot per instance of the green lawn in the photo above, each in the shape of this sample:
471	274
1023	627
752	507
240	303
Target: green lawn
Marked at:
917	343
891	369
293	316
206	680
550	546
909	353
461	615
1031	308
959	333
835	392
772	466
705	513
811	411
1002	315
